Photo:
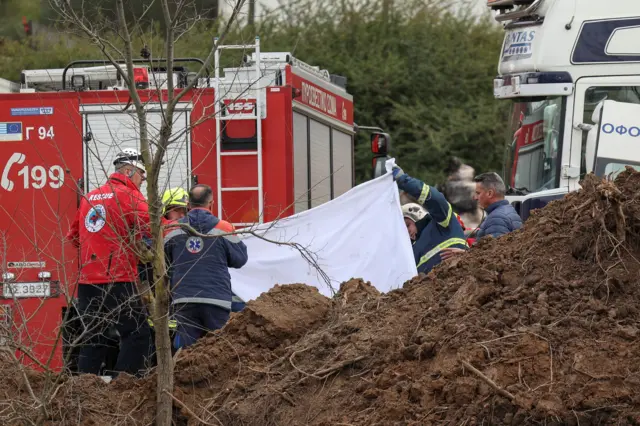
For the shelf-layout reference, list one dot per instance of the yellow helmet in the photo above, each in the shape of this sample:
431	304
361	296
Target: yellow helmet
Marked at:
174	197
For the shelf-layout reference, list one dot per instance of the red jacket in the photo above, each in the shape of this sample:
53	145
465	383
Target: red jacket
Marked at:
107	225
470	241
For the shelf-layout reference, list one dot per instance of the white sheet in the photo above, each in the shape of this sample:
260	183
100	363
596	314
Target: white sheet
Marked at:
360	234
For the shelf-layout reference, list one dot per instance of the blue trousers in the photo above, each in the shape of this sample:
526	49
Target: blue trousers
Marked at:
195	320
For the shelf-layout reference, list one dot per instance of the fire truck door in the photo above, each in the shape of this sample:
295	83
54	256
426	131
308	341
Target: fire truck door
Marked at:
112	132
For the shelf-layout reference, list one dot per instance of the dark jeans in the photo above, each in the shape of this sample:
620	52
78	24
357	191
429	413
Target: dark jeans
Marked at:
102	306
195	320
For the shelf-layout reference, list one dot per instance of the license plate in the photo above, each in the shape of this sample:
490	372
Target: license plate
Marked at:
20	290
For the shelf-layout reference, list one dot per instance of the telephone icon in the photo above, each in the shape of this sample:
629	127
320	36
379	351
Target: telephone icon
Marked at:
5	182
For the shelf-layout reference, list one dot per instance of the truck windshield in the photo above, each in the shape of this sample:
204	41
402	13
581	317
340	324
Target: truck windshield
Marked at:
534	141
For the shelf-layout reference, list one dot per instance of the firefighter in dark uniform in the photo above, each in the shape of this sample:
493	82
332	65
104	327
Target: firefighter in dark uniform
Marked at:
441	228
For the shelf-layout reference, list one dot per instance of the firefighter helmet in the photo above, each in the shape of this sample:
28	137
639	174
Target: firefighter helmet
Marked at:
174	197
129	156
414	211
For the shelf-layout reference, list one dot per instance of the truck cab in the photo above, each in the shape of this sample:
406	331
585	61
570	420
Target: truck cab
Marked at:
559	61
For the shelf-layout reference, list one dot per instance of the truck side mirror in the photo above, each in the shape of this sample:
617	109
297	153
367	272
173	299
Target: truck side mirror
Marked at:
380	143
378	168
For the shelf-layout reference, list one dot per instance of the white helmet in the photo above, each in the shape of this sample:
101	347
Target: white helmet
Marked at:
414	211
129	156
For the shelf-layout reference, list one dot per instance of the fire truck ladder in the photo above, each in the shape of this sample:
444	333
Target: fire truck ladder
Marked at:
251	87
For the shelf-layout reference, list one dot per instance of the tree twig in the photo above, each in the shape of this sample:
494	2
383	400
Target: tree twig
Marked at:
187	409
23	372
298	369
488	381
327	371
284	396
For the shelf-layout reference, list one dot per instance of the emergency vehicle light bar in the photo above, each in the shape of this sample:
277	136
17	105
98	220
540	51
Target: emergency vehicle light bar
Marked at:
135	61
50	78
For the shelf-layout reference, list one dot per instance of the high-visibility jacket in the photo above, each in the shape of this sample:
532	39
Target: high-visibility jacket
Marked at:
442	230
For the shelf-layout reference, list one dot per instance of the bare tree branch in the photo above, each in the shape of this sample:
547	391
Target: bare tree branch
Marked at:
210	56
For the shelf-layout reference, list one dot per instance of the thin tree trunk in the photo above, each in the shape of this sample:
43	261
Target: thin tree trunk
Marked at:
252	12
164	371
164	383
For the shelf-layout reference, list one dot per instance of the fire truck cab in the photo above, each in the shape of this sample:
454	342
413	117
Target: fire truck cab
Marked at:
560	60
273	137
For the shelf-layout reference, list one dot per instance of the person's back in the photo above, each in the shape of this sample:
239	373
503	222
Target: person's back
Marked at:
502	217
113	216
199	268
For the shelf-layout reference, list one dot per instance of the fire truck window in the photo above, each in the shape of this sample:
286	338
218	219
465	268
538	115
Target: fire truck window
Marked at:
300	162
320	163
342	163
593	96
114	132
111	133
175	172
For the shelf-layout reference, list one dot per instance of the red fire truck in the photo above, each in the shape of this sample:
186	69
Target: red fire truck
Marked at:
273	137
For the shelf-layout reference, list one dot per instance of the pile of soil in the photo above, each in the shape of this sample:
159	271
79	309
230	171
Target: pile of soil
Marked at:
537	327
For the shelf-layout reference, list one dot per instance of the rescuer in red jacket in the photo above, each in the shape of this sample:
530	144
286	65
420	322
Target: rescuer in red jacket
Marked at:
109	222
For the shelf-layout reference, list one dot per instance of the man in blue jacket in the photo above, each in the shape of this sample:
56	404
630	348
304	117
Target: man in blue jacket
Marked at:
501	217
199	268
443	229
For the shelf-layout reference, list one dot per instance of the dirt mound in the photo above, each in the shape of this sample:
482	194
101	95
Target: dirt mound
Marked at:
538	327
275	321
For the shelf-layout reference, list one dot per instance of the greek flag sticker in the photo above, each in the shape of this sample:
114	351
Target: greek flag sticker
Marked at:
10	132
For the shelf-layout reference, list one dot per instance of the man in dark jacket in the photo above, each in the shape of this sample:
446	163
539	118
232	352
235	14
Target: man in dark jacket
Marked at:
175	201
442	228
199	268
501	218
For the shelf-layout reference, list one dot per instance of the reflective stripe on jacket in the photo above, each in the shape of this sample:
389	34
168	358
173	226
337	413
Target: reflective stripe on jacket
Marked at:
442	229
437	249
237	305
199	267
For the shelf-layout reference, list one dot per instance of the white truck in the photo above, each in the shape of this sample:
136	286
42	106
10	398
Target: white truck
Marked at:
560	60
